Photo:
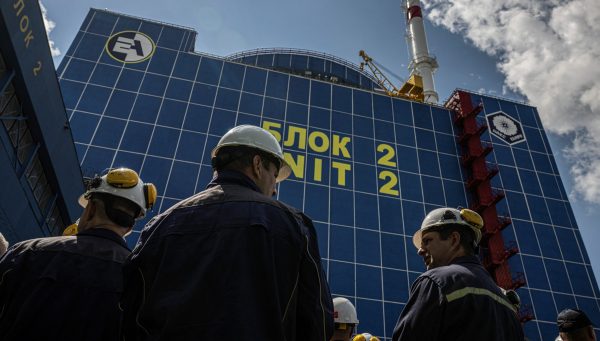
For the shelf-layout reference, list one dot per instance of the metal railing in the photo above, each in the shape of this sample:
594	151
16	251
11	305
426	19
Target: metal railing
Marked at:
302	52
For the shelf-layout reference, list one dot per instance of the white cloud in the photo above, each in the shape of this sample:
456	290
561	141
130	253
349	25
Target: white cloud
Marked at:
547	52
49	24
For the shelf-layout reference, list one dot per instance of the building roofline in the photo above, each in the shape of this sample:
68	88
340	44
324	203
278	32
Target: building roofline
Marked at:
310	53
106	10
516	101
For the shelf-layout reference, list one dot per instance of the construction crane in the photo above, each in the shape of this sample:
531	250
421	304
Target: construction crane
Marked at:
411	89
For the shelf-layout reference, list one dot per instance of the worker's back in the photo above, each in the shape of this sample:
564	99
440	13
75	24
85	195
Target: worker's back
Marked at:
63	288
227	264
465	304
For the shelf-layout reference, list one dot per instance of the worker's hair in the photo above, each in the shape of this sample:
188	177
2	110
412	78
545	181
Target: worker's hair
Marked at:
240	157
119	210
467	236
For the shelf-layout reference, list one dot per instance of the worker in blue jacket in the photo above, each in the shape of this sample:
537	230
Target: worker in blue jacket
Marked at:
456	298
231	262
68	287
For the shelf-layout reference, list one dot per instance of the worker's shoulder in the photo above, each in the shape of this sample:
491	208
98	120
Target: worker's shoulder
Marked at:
444	275
227	193
46	243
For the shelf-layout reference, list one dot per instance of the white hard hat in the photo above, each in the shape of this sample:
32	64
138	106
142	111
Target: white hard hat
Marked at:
344	311
256	137
450	216
124	183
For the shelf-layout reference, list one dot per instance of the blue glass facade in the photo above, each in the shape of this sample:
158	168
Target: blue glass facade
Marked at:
366	167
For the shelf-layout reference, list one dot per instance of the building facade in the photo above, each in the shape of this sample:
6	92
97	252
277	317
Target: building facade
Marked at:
39	170
366	167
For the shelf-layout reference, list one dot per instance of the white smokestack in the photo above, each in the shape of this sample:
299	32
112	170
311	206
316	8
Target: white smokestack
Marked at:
422	63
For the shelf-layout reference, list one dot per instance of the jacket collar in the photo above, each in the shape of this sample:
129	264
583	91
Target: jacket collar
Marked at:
100	232
233	177
465	259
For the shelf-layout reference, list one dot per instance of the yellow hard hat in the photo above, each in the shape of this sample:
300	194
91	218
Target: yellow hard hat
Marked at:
365	337
72	229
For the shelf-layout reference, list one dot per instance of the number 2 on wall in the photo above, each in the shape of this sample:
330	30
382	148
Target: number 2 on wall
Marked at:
392	181
387	159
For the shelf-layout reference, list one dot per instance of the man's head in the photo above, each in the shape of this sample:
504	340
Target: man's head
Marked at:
574	325
344	318
254	152
115	201
447	233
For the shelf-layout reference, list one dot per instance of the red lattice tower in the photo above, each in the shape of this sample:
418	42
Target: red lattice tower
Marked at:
484	197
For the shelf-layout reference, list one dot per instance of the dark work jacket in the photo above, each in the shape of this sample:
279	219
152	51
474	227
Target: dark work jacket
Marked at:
457	302
228	263
63	288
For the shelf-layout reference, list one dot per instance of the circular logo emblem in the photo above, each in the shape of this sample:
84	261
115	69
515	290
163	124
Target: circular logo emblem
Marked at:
130	46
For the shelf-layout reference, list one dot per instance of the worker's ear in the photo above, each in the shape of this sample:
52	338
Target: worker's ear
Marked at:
257	165
455	239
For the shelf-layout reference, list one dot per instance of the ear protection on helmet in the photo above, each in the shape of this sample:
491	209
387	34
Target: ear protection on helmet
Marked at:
124	183
150	194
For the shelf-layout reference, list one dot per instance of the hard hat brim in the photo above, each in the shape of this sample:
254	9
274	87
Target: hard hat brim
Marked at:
284	172
417	239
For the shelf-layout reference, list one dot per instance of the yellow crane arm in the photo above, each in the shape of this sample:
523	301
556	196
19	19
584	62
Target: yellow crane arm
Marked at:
412	88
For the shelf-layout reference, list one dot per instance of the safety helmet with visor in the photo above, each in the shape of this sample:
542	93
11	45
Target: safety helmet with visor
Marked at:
255	137
124	183
441	217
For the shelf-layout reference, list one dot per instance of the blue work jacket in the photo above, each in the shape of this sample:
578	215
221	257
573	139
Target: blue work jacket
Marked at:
63	288
459	301
228	263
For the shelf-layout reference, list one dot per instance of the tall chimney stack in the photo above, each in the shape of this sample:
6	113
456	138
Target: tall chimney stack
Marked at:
422	63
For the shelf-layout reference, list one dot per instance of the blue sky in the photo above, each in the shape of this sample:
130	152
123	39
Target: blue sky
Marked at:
538	51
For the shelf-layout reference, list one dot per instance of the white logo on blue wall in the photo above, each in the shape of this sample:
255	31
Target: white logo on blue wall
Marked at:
130	47
505	127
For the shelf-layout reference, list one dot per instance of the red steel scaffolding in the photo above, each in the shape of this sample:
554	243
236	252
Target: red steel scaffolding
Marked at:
484	198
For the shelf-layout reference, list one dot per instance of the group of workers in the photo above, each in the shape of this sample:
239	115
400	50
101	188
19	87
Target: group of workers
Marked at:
231	263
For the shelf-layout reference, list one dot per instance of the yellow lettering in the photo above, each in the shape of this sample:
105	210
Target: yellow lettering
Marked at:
28	38
268	125
291	137
342	169
296	166
312	141
387	159
339	145
37	68
20	4
318	169
388	187
24	23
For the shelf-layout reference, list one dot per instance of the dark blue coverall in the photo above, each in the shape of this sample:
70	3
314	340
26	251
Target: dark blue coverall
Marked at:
459	301
228	263
63	288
